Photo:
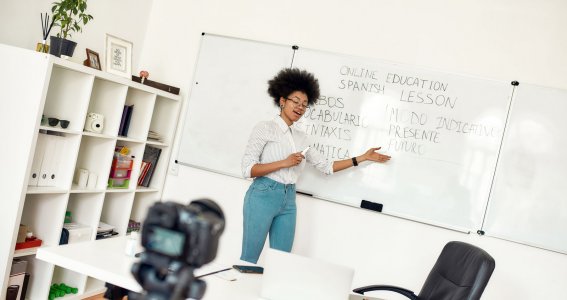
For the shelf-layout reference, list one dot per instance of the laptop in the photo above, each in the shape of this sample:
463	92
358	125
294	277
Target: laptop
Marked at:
292	277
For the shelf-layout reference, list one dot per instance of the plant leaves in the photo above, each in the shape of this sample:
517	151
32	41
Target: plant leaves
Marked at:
68	15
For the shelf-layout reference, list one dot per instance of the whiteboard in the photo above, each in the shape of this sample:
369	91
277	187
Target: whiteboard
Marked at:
528	203
442	177
442	130
228	98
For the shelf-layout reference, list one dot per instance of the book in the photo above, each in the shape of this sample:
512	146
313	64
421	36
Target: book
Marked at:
104	228
129	112
140	177
143	172
25	286
151	155
123	119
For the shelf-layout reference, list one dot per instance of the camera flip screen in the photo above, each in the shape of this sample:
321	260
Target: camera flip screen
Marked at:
166	241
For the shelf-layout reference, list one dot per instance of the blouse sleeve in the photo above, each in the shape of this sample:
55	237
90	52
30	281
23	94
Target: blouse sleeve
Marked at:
254	148
318	161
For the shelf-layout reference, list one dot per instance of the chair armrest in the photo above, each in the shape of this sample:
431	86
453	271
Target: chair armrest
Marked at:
399	290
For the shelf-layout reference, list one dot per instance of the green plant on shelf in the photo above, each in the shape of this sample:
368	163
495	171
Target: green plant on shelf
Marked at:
70	16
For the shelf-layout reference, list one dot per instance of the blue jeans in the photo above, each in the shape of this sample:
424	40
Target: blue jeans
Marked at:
269	207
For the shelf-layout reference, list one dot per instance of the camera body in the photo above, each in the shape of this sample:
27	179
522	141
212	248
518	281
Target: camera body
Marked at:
94	122
187	233
177	239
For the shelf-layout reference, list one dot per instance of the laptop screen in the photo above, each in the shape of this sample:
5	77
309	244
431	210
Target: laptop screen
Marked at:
290	276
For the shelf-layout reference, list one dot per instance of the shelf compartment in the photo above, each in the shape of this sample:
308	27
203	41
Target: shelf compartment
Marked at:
40	279
86	209
107	99
54	156
142	202
44	214
94	287
160	169
69	278
95	155
68	96
116	210
164	119
142	113
136	152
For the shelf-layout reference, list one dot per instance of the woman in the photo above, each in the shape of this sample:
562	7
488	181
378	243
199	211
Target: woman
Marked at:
274	158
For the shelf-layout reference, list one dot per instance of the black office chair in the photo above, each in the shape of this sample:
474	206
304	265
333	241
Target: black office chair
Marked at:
461	272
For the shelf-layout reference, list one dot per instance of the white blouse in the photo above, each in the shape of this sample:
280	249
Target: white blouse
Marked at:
272	141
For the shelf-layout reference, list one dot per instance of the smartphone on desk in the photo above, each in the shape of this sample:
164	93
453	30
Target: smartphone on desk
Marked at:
249	269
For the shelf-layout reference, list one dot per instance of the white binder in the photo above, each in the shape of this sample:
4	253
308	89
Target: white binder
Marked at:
37	160
58	157
49	174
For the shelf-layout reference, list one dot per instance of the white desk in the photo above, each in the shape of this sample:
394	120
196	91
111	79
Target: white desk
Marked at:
102	259
105	260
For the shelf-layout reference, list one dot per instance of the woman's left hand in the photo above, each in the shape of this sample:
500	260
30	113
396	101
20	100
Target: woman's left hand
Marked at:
372	155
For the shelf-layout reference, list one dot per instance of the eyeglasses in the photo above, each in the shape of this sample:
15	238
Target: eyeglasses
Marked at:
54	121
297	103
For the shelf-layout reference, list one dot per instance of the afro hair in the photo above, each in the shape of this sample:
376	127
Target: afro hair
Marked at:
290	80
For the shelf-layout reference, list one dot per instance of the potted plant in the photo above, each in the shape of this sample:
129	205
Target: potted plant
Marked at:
70	16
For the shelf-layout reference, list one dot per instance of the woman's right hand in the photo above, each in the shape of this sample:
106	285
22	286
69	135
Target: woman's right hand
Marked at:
293	160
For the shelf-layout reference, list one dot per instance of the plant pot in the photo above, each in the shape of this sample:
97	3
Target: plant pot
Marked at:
60	46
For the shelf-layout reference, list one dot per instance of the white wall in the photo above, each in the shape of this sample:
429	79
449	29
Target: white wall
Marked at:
127	19
504	40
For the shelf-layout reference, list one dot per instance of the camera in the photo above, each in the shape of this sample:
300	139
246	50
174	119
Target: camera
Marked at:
177	239
94	122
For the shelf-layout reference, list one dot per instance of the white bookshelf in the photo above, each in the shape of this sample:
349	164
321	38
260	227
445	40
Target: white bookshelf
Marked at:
69	91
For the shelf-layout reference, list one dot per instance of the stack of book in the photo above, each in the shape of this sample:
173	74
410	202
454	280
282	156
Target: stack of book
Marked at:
148	166
152	135
125	121
105	231
133	226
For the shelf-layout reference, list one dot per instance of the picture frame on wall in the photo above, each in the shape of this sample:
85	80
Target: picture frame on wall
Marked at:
93	60
118	56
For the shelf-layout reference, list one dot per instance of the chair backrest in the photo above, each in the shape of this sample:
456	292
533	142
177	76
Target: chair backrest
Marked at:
461	272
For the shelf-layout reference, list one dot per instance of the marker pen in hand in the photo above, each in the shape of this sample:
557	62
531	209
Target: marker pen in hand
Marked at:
305	150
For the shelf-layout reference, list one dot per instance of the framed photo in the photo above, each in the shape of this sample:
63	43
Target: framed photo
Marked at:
93	60
118	56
